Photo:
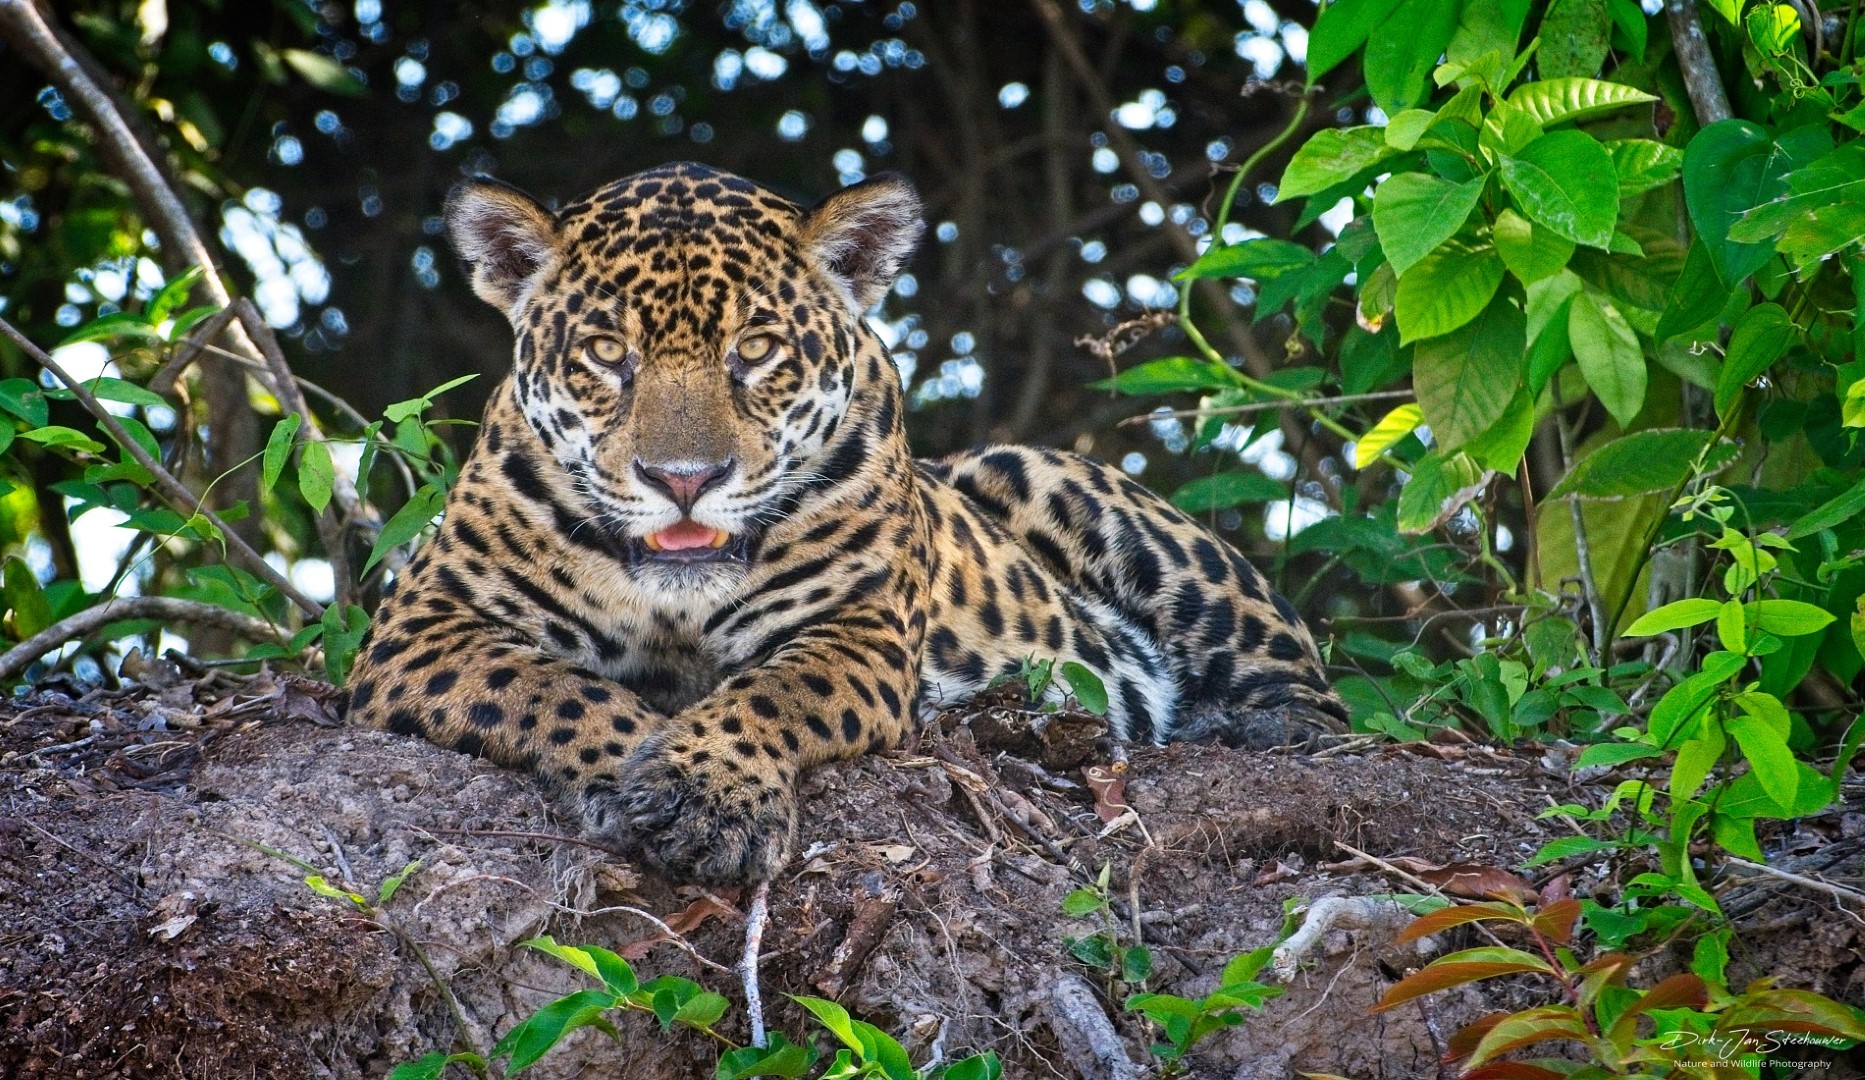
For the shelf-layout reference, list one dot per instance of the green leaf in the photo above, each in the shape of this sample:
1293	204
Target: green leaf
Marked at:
701	1011
1831	514
1695	758
1088	689
32	612
1172	374
1788	618
407	522
1447	289
1643	164
778	1057
24	399
1575	35
403	411
1530	252
1259	260
983	1066
1392	427
324	73
114	325
1642	463
1614	754
1731	167
1466	378
104	388
1405	130
1761	337
1698	296
1414	213
393	883
1682	701
1399	56
1609	355
831	1016
278	450
316	474
1330	156
1228	489
343	633
174	294
1630	20
1083	901
544	1029
1674	616
1565	180
1769	759
57	437
1554	101
1136	964
1823	231
1439	487
1837	177
1340	30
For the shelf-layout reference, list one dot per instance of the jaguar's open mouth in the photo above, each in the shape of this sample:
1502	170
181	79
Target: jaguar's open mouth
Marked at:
688	541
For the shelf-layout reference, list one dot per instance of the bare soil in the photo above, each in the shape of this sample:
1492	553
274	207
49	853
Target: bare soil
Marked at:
153	923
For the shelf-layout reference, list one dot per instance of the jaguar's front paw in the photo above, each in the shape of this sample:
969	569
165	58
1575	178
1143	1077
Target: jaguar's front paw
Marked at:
694	823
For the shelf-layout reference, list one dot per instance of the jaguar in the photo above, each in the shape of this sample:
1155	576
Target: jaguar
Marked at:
691	556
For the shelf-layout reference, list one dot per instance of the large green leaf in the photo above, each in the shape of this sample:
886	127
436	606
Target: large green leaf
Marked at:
1466	378
1565	180
1731	167
1575	35
1342	28
1555	101
1830	514
1447	289
1761	337
1641	463
1609	356
1400	55
1414	213
1331	156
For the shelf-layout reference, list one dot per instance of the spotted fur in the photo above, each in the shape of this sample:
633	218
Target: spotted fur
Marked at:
692	367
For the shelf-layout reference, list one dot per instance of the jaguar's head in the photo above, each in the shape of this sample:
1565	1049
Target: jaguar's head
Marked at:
689	345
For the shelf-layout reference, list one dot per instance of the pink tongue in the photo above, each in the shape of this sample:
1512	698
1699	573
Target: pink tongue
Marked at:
686	535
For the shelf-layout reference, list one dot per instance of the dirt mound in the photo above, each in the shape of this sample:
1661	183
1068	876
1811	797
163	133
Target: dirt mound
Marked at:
153	922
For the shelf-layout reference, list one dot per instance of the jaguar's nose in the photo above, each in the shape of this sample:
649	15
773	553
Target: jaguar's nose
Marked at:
683	483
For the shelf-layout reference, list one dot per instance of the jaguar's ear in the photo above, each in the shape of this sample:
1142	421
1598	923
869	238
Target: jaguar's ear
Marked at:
863	234
507	237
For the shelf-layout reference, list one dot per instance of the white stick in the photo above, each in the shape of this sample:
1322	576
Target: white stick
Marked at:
755	918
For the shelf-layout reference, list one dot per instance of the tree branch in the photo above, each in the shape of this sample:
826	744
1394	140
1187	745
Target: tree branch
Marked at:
1701	79
168	608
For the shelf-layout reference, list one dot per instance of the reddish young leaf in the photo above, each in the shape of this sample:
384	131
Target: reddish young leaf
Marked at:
1479	882
1546	1024
1446	918
1685	989
1555	921
1464	1042
1442	976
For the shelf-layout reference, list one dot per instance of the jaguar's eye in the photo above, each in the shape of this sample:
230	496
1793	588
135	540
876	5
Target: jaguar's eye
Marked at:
757	348
605	350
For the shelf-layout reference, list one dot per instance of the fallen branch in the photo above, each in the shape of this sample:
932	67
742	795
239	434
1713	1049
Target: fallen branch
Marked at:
755	917
168	608
1839	892
174	491
1085	1034
1336	913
